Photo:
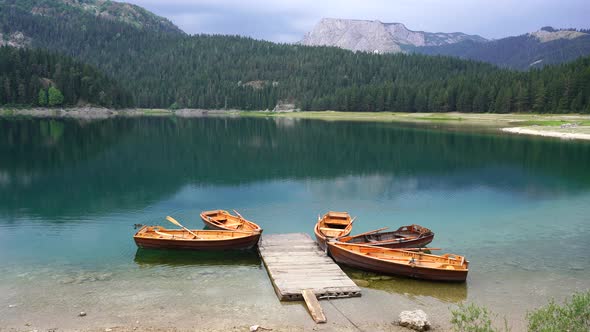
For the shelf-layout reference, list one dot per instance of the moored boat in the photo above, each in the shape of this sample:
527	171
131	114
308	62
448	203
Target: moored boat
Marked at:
404	237
447	267
221	219
332	225
160	237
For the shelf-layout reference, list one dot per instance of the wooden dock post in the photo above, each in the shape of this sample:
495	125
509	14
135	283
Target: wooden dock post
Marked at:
300	270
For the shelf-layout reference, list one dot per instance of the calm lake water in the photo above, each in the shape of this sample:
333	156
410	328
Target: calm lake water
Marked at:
71	191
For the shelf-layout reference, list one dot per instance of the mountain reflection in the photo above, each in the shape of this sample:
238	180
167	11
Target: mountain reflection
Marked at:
71	167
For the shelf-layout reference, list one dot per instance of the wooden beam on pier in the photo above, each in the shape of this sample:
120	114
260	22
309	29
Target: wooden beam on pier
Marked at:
315	310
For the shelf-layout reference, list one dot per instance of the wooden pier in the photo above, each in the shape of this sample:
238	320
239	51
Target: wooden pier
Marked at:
295	263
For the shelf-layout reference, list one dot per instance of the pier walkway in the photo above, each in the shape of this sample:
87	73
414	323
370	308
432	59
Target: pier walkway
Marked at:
296	265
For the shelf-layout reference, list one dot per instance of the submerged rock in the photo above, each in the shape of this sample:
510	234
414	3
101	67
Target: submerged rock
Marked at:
82	314
415	320
361	282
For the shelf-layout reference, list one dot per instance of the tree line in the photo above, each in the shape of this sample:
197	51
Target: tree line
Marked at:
40	78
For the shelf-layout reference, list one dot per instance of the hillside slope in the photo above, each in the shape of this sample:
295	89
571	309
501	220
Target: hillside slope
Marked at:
121	12
533	50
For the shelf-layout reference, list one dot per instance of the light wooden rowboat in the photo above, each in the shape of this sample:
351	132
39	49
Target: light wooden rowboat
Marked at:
221	219
447	267
332	225
160	237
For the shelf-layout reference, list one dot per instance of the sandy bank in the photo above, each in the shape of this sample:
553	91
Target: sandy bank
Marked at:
549	132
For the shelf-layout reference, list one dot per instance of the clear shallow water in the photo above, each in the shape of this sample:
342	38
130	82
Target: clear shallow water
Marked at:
71	191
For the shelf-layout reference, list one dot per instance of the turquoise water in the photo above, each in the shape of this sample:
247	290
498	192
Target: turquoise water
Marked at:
70	192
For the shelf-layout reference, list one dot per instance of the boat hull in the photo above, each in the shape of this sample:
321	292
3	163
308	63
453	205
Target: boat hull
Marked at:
362	262
246	242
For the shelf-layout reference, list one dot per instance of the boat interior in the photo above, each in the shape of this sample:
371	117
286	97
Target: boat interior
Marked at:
335	224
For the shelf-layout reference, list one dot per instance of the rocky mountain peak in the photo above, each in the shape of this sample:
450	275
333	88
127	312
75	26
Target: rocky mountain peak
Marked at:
547	34
376	36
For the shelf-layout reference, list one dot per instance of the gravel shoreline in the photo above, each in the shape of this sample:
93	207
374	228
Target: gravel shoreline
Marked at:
546	132
500	121
97	113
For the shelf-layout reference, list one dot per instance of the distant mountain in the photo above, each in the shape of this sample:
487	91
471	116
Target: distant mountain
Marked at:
162	67
378	37
531	50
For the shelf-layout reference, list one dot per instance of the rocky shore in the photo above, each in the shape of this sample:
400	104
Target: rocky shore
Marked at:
105	113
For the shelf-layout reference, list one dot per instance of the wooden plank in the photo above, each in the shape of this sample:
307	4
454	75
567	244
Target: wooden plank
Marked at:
313	306
295	262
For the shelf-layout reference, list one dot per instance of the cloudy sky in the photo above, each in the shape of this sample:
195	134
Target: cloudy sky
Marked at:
288	20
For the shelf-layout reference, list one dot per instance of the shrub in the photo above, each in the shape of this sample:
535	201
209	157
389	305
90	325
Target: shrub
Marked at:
55	97
472	318
572	316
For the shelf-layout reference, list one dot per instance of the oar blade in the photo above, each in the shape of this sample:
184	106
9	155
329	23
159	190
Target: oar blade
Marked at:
174	221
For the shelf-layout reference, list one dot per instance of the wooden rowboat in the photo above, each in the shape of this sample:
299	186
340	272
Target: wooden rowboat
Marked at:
404	237
447	267
221	219
332	225
160	237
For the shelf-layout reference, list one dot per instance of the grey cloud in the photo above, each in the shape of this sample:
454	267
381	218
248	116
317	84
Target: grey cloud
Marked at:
287	21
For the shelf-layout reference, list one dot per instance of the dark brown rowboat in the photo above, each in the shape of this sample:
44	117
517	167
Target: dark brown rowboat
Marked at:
160	237
332	225
404	237
447	267
221	219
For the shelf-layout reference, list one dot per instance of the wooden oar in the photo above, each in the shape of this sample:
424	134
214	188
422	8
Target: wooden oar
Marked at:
175	222
361	234
418	249
239	215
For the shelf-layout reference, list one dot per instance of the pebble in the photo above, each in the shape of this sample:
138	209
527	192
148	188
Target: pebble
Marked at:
108	330
12	305
82	314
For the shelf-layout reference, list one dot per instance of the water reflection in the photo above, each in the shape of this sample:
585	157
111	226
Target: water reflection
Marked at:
447	292
52	168
163	257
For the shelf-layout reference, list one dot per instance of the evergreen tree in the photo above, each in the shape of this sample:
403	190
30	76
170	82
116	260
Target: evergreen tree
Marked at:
42	100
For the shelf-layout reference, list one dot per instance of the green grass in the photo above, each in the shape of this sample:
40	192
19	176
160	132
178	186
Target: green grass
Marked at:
472	318
572	316
437	118
8	112
156	112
